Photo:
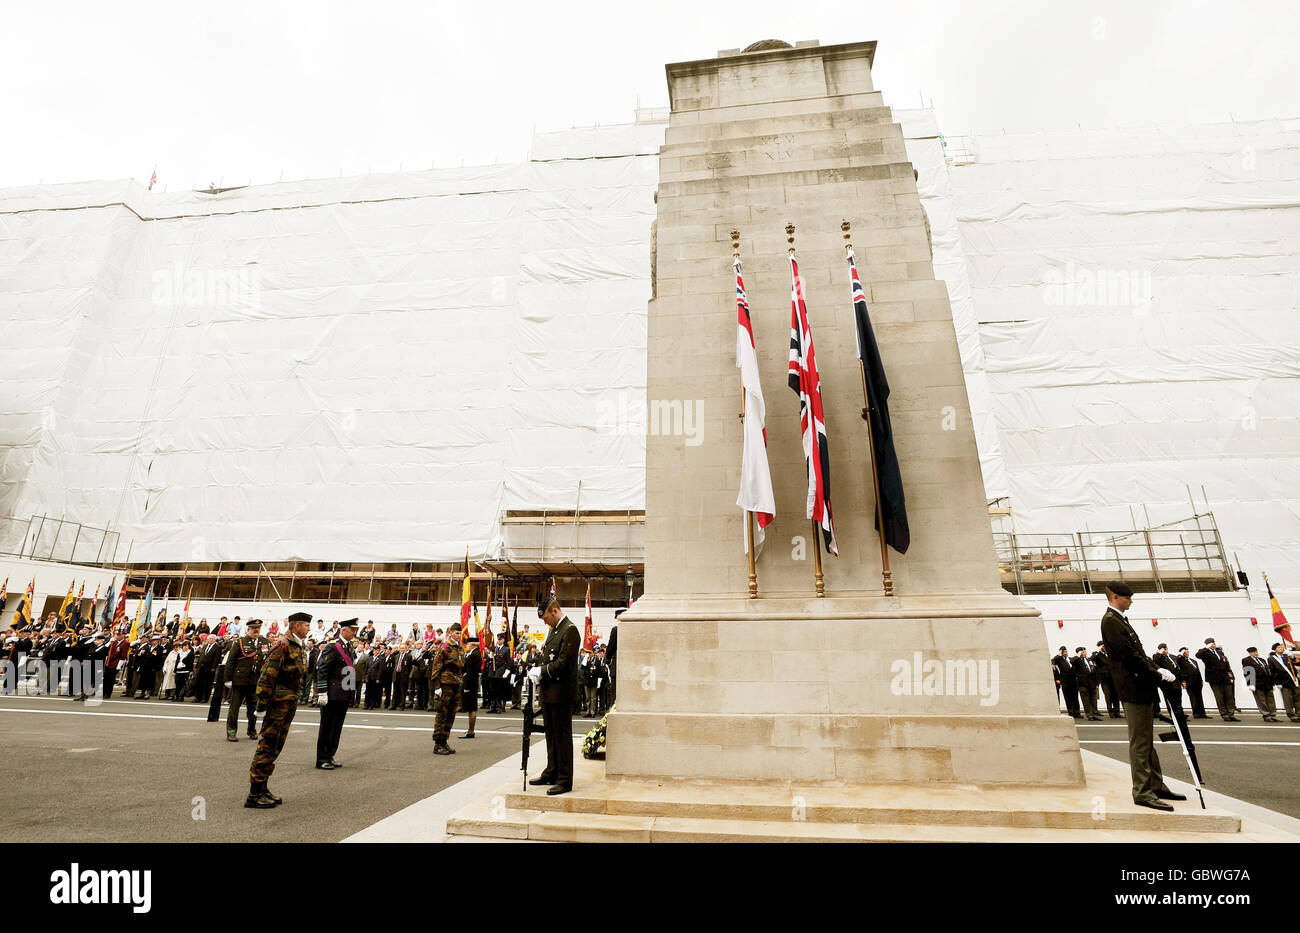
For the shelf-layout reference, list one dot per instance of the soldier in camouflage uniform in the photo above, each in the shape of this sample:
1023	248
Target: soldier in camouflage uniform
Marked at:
277	693
448	669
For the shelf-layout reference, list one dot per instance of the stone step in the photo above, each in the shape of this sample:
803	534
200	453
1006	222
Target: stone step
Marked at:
603	827
845	807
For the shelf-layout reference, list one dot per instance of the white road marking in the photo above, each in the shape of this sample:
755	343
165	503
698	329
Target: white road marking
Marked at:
346	725
1198	743
79	750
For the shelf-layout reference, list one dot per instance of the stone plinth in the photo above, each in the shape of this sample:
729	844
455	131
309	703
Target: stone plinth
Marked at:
946	682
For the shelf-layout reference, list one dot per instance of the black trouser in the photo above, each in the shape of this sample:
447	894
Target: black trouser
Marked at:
1071	693
559	742
242	695
420	688
1112	697
331	729
1198	700
373	691
397	695
110	680
1088	694
181	681
1223	698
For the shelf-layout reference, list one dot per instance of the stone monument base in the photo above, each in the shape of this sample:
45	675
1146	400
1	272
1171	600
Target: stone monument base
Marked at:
602	808
854	689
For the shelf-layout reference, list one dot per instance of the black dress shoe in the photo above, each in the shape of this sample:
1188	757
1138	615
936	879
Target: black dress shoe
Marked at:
1169	795
325	766
556	789
335	763
468	735
541	779
1155	805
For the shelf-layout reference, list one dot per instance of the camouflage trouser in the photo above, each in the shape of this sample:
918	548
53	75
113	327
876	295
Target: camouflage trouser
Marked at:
446	706
275	728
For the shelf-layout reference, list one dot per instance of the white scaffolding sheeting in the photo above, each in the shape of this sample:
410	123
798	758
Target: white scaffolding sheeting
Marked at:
1137	293
360	369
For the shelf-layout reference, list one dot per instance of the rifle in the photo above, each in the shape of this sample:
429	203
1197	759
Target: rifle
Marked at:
528	731
1189	752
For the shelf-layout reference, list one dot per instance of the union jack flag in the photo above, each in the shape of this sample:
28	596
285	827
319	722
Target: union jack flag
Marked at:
806	383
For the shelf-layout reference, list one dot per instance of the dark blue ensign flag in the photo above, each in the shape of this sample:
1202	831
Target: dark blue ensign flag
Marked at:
893	507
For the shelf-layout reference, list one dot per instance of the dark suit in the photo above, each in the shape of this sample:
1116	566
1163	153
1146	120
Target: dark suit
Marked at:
1279	668
1172	692
1101	661
1136	677
1218	674
1260	682
1190	674
559	682
332	668
1069	689
1085	676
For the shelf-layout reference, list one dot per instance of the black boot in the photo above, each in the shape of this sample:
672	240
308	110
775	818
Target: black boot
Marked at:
258	797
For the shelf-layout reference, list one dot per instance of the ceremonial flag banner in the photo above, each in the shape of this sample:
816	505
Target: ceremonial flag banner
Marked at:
755	476
148	608
1280	624
135	623
806	383
185	622
4	594
119	612
588	637
514	627
893	507
465	595
23	614
65	611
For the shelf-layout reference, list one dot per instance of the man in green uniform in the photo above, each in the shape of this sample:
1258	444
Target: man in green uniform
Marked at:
242	665
277	694
448	672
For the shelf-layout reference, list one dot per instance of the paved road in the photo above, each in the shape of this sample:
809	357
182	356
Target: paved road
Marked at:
1249	760
129	770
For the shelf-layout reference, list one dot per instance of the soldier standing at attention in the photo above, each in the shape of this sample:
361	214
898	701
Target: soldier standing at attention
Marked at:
277	693
337	670
242	666
1136	679
448	672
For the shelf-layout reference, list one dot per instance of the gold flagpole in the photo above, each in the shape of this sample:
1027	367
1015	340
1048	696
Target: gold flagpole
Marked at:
749	516
885	574
817	535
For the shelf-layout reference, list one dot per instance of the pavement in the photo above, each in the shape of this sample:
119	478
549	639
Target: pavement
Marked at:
1250	760
154	770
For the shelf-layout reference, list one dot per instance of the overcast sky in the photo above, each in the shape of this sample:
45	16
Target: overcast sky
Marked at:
257	91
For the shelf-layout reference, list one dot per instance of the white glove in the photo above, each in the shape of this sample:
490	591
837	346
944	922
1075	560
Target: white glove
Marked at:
535	674
1166	676
322	698
230	683
438	692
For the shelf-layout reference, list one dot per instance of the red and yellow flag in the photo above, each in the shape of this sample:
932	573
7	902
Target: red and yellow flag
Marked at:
588	636
1280	624
465	595
23	614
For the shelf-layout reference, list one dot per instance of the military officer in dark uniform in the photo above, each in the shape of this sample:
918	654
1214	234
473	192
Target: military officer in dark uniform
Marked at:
1190	675
1101	661
243	664
1218	674
336	669
277	694
557	675
446	674
1065	680
1137	678
1260	682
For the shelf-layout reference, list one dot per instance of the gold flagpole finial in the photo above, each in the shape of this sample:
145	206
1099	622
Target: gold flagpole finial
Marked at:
789	236
735	244
848	244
